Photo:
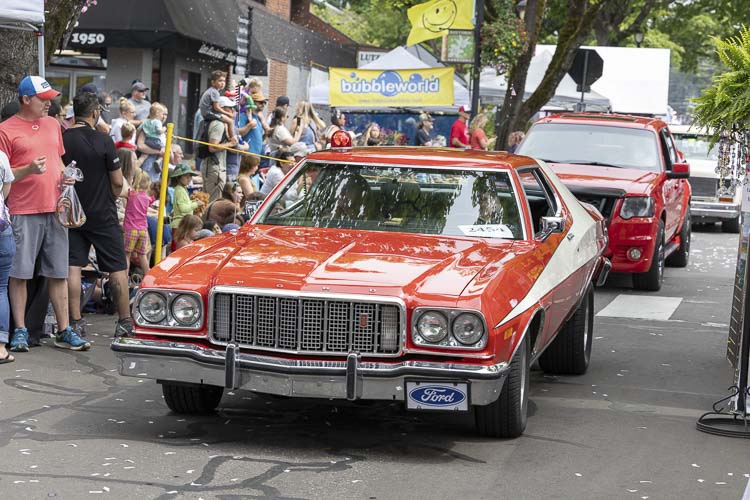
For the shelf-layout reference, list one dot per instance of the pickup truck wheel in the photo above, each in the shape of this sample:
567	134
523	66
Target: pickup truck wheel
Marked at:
506	417
651	280
681	256
731	225
191	399
570	352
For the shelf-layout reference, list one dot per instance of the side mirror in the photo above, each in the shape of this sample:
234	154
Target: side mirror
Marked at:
551	225
679	171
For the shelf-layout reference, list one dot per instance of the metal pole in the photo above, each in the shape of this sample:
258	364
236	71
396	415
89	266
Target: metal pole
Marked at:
744	354
478	21
585	78
40	49
163	193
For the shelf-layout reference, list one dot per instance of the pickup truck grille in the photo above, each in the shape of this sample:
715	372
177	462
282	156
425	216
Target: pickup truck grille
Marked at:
308	325
605	204
704	186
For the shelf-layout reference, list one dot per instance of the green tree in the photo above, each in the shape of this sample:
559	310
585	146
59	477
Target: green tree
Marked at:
727	102
18	52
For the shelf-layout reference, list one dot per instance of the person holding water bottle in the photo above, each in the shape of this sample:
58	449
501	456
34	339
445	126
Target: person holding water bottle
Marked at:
34	146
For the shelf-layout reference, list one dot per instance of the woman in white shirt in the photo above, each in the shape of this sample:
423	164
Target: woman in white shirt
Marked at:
278	135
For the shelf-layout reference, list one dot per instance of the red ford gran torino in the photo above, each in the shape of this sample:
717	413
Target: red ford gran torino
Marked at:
629	168
430	276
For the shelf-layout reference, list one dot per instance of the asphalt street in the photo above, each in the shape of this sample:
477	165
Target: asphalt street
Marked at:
71	427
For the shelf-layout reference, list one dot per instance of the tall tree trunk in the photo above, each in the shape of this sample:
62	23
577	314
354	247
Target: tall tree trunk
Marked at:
516	113
18	50
518	73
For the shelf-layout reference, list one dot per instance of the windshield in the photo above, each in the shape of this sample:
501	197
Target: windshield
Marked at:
404	199
696	147
592	144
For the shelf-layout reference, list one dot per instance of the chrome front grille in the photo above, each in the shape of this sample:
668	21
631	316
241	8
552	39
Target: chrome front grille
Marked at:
306	324
704	186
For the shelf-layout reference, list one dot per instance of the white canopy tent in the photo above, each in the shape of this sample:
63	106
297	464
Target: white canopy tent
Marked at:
25	15
492	87
398	58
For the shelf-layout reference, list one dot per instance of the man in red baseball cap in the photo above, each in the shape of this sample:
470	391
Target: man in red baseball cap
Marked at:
33	143
459	137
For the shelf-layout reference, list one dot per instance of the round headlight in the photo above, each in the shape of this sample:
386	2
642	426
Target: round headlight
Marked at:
432	326
153	307
186	309
468	328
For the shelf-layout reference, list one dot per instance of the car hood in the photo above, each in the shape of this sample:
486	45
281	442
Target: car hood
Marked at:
593	178
332	260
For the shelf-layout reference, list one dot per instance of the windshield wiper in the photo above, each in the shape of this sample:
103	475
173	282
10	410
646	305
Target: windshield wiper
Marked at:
547	160
597	163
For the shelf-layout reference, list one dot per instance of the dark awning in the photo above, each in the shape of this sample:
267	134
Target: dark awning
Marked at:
163	23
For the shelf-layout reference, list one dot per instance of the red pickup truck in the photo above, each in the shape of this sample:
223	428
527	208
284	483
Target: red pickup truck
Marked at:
630	169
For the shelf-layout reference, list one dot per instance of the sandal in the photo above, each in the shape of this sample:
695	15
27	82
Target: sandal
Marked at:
7	359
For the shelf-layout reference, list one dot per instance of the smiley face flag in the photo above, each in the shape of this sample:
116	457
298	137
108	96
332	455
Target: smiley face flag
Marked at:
432	19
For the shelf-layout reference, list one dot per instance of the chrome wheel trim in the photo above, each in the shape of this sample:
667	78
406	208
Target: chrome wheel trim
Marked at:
660	254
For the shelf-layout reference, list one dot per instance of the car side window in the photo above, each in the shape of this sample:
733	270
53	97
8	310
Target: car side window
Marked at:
669	149
539	196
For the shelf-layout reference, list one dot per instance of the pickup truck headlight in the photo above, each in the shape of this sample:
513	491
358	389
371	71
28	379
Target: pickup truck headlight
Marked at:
153	307
186	309
637	206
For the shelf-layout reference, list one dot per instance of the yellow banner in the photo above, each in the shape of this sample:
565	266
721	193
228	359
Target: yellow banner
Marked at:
391	88
432	19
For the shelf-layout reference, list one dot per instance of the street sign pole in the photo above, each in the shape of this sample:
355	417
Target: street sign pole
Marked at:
477	70
582	106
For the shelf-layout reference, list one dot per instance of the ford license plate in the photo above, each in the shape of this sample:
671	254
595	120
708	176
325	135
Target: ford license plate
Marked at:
442	396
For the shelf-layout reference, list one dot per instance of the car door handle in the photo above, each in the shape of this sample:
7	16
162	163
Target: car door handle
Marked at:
570	236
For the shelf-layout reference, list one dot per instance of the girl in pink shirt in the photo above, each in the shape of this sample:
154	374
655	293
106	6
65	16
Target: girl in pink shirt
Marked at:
135	224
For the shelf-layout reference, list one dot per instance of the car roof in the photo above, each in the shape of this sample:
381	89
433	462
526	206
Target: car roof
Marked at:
606	119
423	156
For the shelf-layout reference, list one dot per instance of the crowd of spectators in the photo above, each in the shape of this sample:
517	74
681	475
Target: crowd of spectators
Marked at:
120	150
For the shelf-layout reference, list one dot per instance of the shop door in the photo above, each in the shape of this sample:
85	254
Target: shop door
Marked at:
190	94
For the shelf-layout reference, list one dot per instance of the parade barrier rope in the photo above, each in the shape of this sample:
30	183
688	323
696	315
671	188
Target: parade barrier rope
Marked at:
248	153
165	180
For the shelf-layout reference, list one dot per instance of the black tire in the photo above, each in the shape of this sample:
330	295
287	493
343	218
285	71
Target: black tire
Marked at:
570	352
652	279
191	399
681	256
731	225
506	416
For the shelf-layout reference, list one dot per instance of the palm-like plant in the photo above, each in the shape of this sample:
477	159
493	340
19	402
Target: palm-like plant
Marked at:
726	104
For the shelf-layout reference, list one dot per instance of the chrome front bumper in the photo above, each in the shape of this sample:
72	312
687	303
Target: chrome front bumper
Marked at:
168	360
714	210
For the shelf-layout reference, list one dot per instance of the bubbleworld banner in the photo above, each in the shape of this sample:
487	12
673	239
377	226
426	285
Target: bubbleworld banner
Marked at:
391	88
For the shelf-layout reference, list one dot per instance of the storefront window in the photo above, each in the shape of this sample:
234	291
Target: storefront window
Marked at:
60	81
67	82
